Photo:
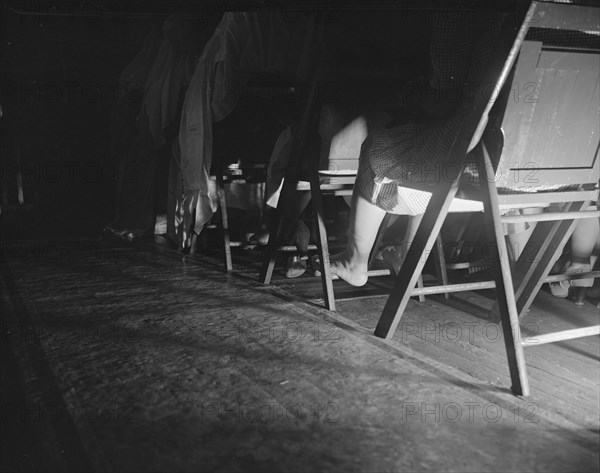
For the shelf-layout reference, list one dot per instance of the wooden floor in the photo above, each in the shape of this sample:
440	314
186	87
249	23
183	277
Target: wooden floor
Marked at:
136	358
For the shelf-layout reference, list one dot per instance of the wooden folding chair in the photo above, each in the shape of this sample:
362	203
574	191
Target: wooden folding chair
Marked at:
556	130
295	178
320	183
278	92
254	174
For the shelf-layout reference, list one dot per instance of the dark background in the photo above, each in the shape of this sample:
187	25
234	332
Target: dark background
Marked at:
60	66
60	63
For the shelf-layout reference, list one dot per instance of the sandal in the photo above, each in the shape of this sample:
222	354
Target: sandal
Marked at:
295	266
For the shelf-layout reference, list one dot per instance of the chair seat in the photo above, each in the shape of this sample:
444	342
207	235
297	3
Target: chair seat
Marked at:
470	199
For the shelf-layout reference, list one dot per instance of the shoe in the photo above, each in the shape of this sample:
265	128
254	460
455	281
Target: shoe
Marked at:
295	267
560	289
577	268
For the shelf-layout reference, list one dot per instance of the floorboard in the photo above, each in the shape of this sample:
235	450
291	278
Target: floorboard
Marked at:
137	358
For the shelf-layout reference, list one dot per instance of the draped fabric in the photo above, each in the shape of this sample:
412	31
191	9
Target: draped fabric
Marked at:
170	74
165	72
243	44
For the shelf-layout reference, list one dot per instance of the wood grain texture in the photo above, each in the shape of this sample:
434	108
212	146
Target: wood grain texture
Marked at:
162	360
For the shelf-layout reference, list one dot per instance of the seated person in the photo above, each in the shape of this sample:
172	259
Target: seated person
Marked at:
296	232
341	129
460	52
352	97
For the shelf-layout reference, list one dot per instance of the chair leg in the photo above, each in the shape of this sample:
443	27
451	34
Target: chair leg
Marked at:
286	196
224	222
322	244
502	276
268	264
420	285
537	258
440	263
414	261
379	239
193	243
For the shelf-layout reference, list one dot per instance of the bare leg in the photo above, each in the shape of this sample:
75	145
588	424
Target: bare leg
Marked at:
584	238
395	255
583	241
352	264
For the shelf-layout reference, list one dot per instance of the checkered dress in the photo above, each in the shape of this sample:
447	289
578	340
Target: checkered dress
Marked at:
394	159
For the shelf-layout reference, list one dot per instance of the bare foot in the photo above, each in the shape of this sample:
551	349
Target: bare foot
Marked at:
351	272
